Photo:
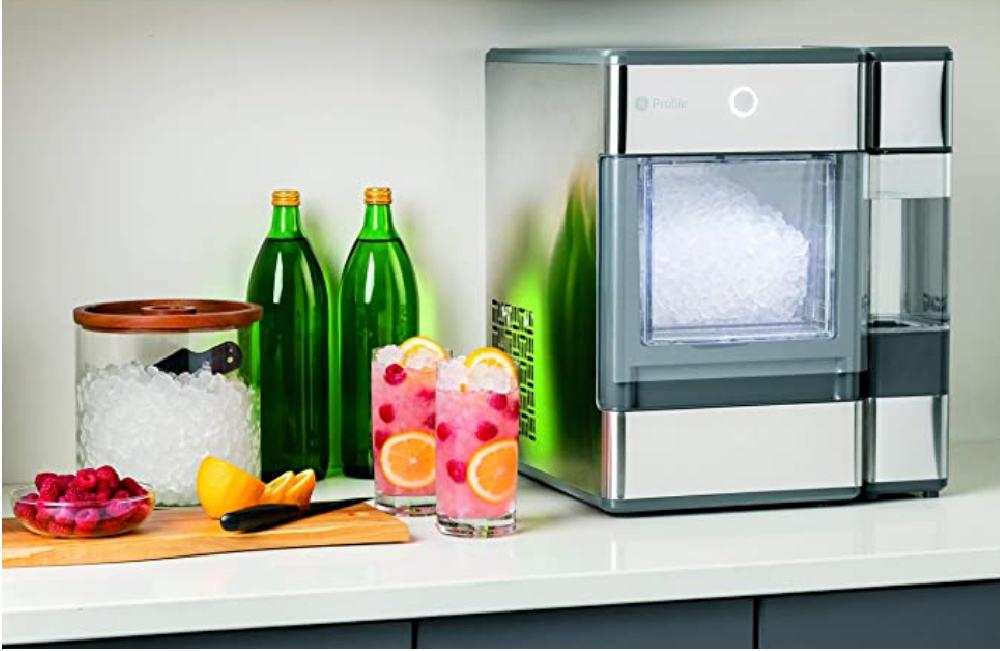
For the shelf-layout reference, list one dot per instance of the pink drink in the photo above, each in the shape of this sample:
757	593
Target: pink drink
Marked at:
477	438
403	400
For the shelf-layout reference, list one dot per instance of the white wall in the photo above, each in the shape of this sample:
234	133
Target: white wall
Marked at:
141	141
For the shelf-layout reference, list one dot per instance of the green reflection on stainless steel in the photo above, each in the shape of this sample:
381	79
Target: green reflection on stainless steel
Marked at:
571	335
556	281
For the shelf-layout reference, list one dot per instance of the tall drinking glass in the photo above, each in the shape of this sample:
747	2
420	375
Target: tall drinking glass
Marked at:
477	448
403	407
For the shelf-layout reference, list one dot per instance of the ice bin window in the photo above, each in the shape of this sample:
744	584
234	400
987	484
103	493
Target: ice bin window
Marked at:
737	248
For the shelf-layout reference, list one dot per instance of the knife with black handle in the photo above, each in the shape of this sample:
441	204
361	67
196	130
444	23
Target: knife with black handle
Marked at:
265	516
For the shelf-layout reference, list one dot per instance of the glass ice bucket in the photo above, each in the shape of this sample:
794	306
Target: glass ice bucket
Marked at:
160	384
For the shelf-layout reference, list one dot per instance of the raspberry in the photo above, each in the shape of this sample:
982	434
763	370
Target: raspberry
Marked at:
514	411
497	400
133	487
60	529
444	430
426	395
109	526
395	374
43	513
387	413
65	515
24	510
140	512
121	494
51	490
381	436
109	475
456	470
42	476
430	421
86	520
74	495
104	491
485	431
118	509
86	479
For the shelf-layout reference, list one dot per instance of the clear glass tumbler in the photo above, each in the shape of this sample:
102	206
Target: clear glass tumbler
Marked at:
477	452
403	406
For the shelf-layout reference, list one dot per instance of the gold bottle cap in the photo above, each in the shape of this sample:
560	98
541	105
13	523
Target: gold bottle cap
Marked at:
285	198
378	196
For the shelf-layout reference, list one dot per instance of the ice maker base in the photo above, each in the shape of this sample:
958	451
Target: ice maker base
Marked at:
684	459
694	502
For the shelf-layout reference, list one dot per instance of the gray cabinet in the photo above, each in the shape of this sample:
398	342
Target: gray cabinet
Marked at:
935	616
943	616
376	635
723	623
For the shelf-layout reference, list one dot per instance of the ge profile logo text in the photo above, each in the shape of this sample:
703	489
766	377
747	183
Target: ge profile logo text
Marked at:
644	103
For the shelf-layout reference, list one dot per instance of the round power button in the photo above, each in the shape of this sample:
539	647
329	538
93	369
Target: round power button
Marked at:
743	102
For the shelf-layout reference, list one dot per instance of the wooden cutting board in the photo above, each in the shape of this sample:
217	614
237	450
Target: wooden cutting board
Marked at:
172	533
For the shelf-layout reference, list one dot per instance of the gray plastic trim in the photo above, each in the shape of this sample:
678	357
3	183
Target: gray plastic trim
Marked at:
693	502
930	487
910	53
731	392
902	363
675	56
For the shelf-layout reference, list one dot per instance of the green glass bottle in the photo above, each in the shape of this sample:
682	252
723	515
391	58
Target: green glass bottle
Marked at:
377	307
288	282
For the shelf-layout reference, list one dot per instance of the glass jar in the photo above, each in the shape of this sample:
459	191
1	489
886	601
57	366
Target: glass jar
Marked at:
161	384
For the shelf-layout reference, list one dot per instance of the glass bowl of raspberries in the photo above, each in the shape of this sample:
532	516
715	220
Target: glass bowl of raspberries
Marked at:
92	503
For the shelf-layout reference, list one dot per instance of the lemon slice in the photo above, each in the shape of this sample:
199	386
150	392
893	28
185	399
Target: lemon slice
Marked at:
491	357
274	490
413	345
407	459
492	473
300	489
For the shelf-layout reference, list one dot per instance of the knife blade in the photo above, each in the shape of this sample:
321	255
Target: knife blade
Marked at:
265	516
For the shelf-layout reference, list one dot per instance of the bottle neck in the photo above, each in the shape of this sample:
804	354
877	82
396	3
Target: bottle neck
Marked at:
285	223
378	224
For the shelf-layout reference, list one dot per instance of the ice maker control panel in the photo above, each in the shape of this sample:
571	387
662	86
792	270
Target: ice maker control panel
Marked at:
739	108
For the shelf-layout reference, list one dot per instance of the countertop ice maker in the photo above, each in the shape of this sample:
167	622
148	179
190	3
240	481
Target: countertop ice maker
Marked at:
723	274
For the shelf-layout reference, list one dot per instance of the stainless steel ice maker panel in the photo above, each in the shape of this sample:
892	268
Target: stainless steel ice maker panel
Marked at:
906	442
909	99
782	449
738	108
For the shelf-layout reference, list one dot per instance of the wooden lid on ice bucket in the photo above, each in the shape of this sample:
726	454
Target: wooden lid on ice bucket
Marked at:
167	315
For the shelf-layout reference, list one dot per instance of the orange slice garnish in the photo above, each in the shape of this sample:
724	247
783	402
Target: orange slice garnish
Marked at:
491	357
492	473
407	459
411	346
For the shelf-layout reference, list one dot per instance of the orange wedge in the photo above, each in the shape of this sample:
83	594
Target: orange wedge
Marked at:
274	491
407	459
491	357
411	346
300	491
492	473
222	487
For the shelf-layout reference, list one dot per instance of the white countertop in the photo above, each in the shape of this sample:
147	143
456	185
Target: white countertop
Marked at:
567	554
